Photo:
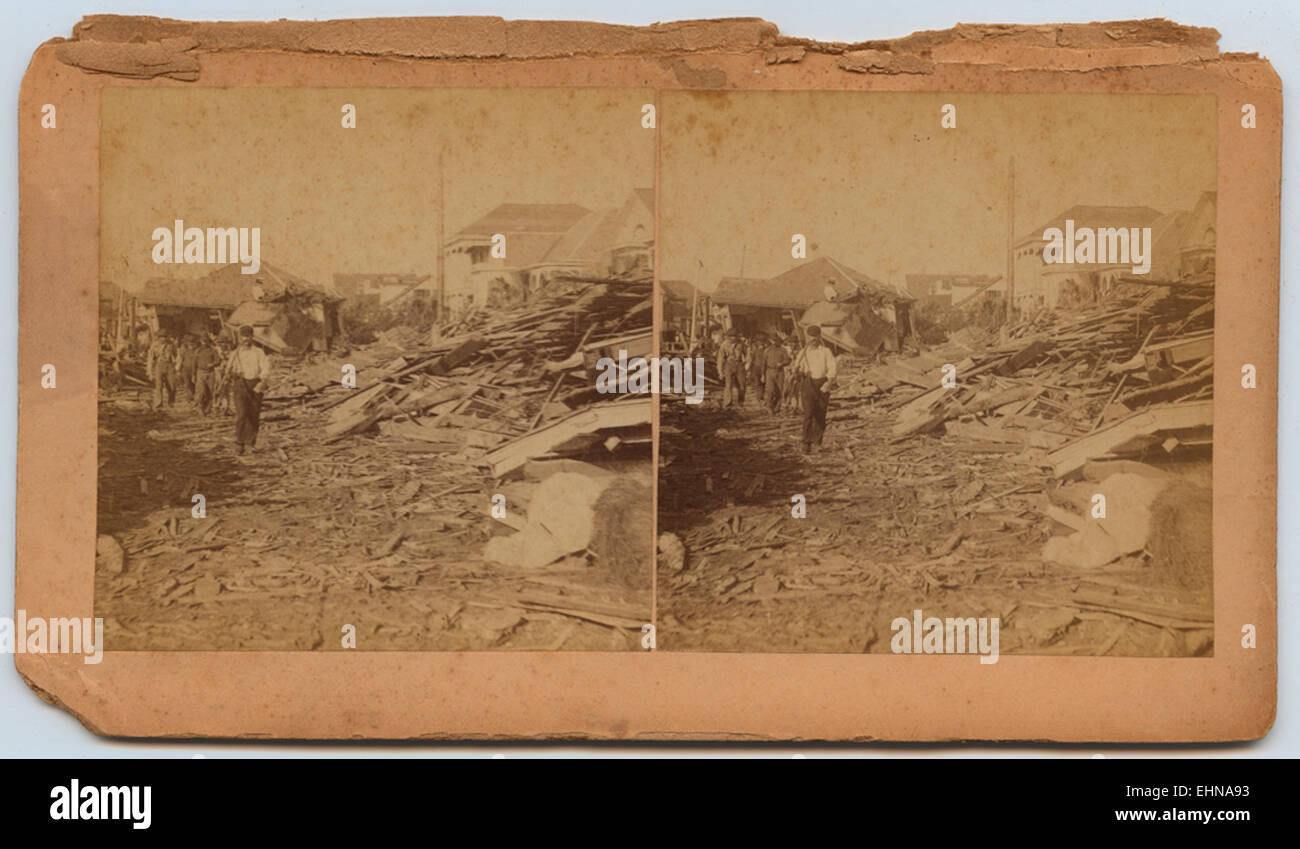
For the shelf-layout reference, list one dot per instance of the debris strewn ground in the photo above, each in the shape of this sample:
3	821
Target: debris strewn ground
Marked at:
970	500
373	506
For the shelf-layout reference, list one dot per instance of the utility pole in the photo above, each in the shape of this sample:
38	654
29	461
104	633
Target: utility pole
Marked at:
1011	243
441	260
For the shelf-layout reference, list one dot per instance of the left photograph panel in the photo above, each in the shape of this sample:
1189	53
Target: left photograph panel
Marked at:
349	341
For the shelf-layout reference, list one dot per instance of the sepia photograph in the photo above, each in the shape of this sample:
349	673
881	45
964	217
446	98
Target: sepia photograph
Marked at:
348	347
960	358
712	381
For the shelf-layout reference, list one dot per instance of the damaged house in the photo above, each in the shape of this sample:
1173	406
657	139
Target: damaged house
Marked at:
543	242
857	314
288	313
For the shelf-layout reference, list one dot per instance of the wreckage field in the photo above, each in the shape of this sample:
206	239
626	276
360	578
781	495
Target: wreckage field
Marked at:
417	507
976	500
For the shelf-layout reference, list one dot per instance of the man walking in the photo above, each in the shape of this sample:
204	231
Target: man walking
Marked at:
249	369
206	360
160	364
757	351
815	370
731	358
185	367
775	359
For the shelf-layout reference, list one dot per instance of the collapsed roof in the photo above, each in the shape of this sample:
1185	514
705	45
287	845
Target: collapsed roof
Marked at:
802	286
228	286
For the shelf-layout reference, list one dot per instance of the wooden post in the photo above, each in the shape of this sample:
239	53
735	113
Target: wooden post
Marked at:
441	259
1011	244
695	310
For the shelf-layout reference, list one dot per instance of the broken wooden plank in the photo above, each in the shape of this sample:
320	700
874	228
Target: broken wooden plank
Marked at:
1146	423
615	414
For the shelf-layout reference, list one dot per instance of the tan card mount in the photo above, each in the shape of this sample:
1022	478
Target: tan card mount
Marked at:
366	367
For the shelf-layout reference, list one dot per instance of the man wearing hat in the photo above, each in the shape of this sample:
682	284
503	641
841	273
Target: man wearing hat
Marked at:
815	370
160	365
732	361
249	369
775	359
207	359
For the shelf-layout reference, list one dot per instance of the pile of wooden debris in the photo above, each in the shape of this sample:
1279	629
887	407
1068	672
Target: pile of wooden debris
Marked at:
498	388
1111	381
1060	479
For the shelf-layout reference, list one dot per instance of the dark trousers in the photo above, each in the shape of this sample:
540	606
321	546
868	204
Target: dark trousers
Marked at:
735	388
248	408
815	404
164	388
205	385
772	389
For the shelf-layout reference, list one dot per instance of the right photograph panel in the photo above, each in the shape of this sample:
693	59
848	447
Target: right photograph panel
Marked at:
960	355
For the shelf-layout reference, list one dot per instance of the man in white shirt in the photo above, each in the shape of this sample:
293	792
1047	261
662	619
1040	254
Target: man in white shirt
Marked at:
249	369
814	370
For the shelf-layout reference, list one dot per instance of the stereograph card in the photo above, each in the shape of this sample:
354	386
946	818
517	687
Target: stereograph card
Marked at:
456	378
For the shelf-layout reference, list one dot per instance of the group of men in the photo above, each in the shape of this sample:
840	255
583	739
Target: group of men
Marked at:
212	376
771	365
188	365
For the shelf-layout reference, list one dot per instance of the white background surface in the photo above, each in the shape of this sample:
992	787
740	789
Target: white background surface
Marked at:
30	727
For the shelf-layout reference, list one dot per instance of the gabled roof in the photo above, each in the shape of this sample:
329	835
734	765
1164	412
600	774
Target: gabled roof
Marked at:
1200	221
586	239
678	290
519	218
801	286
1096	216
527	249
557	234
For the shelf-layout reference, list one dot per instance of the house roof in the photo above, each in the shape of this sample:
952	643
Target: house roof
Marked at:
678	290
1096	216
801	286
228	286
556	233
519	218
586	239
1201	219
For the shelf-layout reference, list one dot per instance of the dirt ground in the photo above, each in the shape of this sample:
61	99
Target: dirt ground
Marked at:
303	537
934	523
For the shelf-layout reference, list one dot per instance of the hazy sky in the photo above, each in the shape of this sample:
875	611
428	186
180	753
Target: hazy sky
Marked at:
872	180
329	199
868	178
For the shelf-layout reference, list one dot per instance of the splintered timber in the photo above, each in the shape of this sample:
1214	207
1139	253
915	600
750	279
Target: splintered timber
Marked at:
197	246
